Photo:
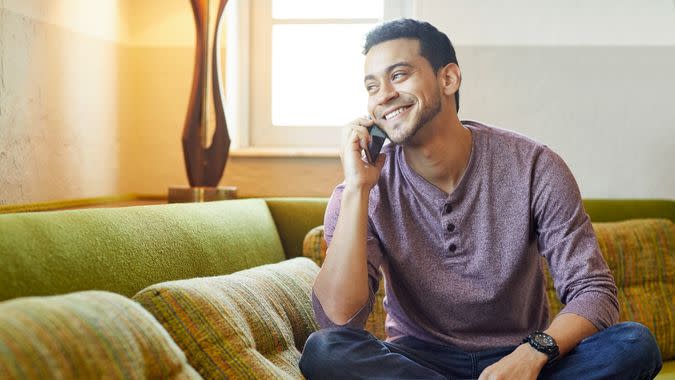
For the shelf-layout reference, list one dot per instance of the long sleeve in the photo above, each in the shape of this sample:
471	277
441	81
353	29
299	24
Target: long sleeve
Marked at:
374	254
566	238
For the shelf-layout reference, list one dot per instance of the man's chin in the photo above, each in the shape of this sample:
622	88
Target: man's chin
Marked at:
403	134
396	137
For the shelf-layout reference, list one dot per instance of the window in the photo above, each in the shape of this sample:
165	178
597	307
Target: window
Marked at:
305	69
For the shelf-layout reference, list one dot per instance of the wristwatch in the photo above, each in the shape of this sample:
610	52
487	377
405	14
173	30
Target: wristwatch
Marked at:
543	343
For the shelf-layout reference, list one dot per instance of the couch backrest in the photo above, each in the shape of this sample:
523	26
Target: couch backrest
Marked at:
123	250
615	210
640	254
294	217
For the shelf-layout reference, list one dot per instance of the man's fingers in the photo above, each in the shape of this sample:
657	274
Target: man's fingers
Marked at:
357	140
356	135
364	121
360	133
359	125
380	160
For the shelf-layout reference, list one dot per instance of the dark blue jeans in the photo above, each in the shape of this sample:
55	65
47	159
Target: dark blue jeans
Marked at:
624	351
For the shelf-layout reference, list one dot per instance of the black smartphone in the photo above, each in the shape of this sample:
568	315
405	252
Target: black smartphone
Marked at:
377	141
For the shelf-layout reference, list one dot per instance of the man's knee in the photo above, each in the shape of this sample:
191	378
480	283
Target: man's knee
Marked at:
635	335
332	339
641	340
327	349
319	342
638	346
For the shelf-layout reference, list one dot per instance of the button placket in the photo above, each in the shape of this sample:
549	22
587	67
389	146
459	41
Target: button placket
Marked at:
450	227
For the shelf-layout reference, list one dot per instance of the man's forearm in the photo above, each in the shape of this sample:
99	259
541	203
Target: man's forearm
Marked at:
525	362
342	283
568	330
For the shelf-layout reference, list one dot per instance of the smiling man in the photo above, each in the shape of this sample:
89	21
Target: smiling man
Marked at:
456	216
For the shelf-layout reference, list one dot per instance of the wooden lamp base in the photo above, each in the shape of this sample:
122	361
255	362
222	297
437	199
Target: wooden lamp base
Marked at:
186	194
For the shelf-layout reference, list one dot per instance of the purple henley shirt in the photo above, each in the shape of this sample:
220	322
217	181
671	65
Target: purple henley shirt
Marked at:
464	269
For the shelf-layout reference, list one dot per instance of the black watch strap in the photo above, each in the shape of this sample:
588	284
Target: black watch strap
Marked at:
543	343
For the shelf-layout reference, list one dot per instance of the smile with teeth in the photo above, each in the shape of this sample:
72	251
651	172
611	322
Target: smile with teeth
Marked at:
395	112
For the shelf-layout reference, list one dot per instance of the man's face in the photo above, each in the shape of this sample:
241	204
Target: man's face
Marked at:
403	91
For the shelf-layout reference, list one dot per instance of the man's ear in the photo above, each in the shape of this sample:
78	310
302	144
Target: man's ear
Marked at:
450	78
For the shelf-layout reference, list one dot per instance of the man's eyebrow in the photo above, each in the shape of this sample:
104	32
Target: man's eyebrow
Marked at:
388	69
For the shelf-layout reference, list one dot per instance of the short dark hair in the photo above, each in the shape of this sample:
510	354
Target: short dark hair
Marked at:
435	46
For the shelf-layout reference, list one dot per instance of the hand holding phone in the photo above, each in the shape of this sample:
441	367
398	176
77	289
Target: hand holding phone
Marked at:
377	141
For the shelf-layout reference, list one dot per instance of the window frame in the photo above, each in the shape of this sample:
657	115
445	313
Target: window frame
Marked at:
249	102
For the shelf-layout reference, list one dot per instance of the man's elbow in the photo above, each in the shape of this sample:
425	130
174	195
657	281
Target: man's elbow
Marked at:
343	311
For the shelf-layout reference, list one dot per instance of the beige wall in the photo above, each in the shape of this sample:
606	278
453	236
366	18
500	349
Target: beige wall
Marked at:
58	100
593	80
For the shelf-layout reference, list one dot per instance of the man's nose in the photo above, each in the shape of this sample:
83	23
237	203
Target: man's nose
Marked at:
387	93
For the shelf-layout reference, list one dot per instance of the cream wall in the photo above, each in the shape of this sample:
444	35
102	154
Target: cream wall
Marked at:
98	19
593	80
58	99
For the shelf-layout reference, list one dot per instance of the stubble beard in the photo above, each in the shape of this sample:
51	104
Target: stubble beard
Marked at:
428	113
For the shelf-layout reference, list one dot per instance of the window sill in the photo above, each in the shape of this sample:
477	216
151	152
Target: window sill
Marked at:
285	152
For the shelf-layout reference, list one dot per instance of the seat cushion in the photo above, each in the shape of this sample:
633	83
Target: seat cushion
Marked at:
86	335
667	372
250	324
641	255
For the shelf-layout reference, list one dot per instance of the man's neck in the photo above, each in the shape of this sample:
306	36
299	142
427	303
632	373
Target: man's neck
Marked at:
440	152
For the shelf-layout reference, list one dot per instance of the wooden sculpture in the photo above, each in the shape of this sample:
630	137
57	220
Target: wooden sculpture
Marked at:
205	165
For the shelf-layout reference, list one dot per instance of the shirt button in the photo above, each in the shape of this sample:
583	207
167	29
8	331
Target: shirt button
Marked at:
451	227
448	208
452	248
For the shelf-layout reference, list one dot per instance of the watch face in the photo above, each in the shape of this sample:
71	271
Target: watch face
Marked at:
543	340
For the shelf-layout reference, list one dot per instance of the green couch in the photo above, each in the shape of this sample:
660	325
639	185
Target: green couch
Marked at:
128	251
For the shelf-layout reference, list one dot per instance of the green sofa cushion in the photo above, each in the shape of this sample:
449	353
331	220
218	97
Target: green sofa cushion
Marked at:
614	210
123	250
641	255
667	372
248	325
86	335
294	217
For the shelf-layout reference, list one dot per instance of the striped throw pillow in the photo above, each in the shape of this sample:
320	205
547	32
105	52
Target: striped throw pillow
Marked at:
247	325
86	335
641	255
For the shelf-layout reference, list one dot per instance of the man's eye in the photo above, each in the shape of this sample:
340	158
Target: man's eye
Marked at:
371	88
397	75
